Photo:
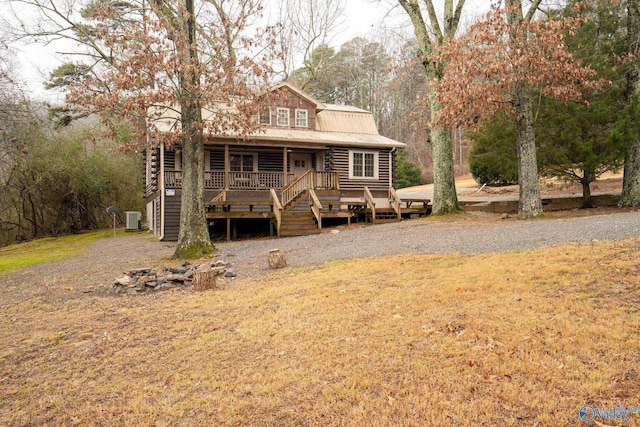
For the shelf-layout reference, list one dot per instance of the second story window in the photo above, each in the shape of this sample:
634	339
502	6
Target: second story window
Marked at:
265	117
282	116
302	118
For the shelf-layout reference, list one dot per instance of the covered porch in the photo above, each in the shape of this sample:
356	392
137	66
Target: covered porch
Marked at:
234	181
232	167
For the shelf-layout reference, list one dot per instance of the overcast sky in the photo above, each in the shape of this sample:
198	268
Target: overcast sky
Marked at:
363	18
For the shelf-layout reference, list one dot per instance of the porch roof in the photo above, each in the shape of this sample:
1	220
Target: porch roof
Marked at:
287	136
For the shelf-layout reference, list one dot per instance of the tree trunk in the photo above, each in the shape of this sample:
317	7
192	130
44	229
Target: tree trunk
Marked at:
445	199
529	205
631	181
193	237
587	203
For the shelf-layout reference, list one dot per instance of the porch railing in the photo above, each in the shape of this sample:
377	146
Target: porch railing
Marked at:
213	180
258	180
237	180
172	179
326	180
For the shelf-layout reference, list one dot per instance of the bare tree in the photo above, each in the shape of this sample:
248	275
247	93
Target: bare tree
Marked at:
307	25
430	34
167	60
501	64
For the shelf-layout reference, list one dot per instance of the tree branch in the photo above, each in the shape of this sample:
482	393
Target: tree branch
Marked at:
433	17
456	18
413	10
532	10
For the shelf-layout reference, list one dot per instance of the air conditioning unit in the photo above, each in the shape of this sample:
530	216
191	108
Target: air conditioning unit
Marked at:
132	221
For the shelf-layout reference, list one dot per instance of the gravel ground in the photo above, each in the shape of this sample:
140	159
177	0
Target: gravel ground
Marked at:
479	235
107	259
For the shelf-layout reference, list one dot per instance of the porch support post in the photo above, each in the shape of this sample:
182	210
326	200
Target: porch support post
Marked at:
228	229
391	171
226	166
284	167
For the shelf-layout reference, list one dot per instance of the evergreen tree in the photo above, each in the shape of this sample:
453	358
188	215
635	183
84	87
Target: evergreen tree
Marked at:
408	174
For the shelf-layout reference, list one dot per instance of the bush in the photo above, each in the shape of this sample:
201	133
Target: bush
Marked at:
61	182
408	174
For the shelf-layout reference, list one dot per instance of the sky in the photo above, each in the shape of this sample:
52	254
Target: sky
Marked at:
363	18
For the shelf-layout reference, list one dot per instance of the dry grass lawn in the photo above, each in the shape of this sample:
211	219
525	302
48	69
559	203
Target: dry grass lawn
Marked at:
520	339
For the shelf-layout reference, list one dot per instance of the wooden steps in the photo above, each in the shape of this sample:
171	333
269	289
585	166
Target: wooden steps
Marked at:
386	215
298	224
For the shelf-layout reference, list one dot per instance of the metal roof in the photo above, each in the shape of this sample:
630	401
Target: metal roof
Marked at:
290	136
335	125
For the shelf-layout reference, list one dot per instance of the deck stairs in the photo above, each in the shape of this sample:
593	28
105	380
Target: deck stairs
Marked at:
385	215
298	223
296	203
297	219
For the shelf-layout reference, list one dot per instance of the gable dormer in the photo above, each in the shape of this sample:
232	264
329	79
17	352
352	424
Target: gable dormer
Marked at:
291	109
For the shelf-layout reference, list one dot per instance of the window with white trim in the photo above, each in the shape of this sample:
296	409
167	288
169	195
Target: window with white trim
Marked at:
363	164
302	118
265	117
282	117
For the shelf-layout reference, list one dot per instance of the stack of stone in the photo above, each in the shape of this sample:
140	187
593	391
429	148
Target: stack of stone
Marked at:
140	280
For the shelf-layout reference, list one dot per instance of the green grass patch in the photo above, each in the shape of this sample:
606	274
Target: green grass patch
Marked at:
49	249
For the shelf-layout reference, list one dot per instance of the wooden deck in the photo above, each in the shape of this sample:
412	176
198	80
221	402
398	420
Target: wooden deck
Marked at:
305	212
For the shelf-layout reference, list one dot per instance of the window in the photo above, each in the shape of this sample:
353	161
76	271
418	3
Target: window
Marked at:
283	117
265	117
241	162
363	164
301	118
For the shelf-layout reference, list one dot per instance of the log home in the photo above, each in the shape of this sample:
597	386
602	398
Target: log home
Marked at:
312	162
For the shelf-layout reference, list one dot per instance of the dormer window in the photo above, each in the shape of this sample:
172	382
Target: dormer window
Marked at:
265	117
282	116
302	120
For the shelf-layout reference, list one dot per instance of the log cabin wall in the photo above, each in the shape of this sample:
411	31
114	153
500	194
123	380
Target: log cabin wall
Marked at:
337	160
172	215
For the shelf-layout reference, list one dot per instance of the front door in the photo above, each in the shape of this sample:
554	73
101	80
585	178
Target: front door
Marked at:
299	163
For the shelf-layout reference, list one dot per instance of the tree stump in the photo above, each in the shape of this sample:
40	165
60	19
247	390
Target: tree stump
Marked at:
204	280
276	259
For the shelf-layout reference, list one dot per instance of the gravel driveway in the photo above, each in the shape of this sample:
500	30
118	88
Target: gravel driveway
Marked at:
108	258
432	237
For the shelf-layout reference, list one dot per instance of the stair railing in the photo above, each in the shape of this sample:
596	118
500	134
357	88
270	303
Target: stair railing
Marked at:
395	201
276	208
221	197
316	207
297	187
371	202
